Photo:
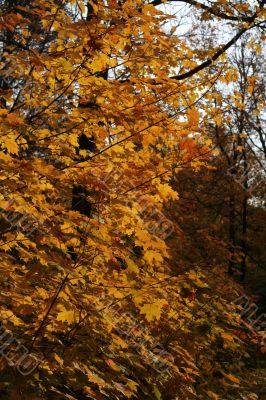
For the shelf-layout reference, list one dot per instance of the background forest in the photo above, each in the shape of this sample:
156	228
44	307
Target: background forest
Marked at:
132	199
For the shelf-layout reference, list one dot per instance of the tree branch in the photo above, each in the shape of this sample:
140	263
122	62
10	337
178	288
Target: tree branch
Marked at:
210	10
211	59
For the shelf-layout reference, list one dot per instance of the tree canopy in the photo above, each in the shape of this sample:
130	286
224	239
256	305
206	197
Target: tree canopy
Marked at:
111	113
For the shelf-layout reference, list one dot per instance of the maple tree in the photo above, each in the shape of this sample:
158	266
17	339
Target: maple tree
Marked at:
100	108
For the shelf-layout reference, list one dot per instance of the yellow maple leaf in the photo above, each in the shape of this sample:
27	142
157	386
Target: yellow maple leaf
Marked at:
132	267
193	116
112	364
152	256
66	316
10	144
14	119
232	378
94	378
227	336
153	310
58	359
9	315
132	385
120	342
73	139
